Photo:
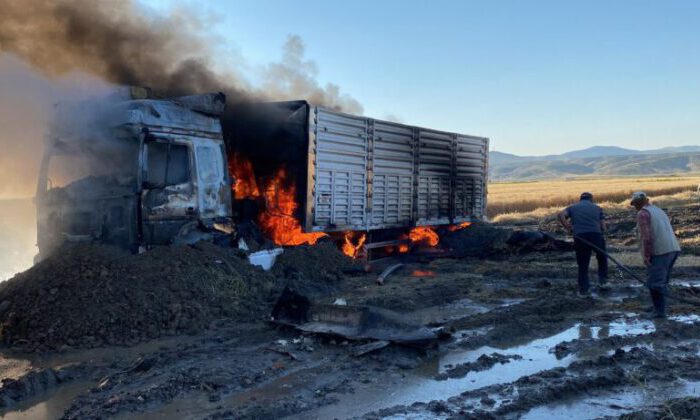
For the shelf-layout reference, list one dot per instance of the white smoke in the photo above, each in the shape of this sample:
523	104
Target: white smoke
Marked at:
26	102
27	99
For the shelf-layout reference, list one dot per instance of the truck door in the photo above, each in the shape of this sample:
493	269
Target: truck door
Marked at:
212	182
169	198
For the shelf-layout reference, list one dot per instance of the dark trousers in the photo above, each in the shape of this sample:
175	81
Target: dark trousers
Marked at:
658	276
583	258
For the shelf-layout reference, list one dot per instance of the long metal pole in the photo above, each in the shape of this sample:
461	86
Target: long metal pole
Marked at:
631	273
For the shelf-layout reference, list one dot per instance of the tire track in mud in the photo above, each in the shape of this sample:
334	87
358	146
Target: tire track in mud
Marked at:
625	366
536	318
617	373
222	371
546	315
214	366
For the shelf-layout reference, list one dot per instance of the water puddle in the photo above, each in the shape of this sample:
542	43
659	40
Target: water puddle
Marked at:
625	327
686	283
45	408
52	403
419	385
686	319
596	406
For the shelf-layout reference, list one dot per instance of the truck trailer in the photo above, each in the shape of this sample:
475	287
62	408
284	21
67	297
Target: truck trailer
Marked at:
138	170
361	174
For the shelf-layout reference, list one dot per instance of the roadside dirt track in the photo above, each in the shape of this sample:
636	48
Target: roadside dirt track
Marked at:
521	345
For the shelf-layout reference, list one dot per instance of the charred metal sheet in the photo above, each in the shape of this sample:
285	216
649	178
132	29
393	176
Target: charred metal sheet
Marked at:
365	322
370	347
171	201
350	322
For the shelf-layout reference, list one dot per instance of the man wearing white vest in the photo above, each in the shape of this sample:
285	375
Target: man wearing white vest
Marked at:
659	248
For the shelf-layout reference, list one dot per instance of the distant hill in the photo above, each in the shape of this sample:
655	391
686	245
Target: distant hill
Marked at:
598	160
497	158
597	151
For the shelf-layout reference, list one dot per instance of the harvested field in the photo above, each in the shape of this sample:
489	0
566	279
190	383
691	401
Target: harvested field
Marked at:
513	198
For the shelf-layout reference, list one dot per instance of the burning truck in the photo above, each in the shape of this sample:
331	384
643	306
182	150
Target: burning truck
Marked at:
141	170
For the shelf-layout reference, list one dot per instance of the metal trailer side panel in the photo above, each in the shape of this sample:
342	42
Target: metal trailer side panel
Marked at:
471	156
484	215
341	171
392	182
367	174
434	172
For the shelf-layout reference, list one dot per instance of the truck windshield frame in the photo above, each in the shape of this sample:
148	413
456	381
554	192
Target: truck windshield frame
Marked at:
63	166
167	163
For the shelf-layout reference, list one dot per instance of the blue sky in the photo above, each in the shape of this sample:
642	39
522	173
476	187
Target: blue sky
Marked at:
536	77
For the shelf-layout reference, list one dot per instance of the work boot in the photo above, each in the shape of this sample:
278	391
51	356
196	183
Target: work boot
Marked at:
659	301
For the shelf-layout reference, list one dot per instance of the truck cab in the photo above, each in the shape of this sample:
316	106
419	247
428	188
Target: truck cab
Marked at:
133	171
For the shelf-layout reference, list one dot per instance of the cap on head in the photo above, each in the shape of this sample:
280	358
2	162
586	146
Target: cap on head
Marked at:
586	196
638	197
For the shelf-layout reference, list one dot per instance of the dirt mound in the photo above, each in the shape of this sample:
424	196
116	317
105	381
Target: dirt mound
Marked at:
314	270
481	240
527	241
93	295
477	240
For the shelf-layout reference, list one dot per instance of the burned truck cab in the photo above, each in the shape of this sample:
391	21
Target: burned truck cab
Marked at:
133	171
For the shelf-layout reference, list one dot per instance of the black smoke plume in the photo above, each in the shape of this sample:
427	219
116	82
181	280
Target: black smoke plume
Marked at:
120	43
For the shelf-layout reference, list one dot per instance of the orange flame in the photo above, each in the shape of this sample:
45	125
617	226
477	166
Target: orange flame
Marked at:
423	273
278	220
242	170
403	248
350	249
425	235
454	228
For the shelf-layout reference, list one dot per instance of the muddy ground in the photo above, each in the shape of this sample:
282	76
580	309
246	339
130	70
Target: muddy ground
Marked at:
516	343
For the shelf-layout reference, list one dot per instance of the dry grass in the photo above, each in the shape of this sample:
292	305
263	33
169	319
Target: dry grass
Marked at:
529	202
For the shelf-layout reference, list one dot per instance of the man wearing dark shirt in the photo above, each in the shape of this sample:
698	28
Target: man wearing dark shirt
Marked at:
586	221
